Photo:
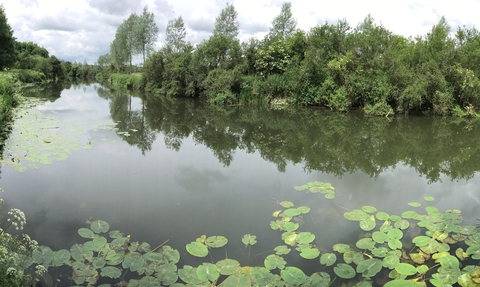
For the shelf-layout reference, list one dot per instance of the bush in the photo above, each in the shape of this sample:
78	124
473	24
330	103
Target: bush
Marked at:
29	76
125	81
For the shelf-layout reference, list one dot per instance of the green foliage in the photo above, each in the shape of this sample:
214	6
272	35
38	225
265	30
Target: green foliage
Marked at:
284	24
7	41
124	81
17	266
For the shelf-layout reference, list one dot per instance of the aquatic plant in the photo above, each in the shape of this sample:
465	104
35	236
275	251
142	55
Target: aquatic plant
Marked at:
16	264
411	249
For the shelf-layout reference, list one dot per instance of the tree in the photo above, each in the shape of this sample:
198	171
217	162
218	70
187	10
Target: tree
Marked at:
284	24
175	34
103	60
7	41
226	23
126	43
146	31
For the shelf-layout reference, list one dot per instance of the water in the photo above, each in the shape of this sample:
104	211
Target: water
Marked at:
186	169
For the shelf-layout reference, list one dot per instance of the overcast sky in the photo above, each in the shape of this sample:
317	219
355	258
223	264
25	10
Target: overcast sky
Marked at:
78	30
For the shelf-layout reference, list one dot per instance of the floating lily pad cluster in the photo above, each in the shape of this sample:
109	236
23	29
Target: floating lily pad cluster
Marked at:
444	253
38	138
287	221
318	187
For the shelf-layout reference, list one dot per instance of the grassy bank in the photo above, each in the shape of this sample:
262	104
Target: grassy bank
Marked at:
126	81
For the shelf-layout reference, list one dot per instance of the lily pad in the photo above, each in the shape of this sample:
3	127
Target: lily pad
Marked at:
110	271
216	241
207	272
344	271
273	261
286	204
309	253
406	269
429	198
99	226
415	204
356	215
369	209
86	233
328	259
365	243
61	257
305	237
197	249
369	267
249	239
282	250
228	266
133	261
293	275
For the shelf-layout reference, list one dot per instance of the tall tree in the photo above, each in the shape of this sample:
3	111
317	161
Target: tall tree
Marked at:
284	24
7	41
175	34
128	43
146	31
226	23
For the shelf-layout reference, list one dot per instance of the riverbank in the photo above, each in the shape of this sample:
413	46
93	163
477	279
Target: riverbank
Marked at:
8	100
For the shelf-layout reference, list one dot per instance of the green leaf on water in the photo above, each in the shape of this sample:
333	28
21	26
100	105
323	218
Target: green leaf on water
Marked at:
207	272
382	215
273	261
341	248
380	237
356	215
249	239
303	209
261	276
344	271
291	212
421	240
369	209
309	253
111	272
395	234
399	283
394	244
197	249
402	224
282	250
43	255
379	252
172	255
228	266
189	275
368	224
293	275
86	233
406	269
415	204
291	226
328	259
369	267
133	261
305	237
216	241
365	243
99	226
61	257
429	198
409	214
236	280
286	204
96	244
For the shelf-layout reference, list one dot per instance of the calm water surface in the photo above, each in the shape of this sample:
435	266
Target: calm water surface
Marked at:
186	169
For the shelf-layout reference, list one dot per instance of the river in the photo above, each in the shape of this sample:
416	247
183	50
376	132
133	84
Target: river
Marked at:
176	169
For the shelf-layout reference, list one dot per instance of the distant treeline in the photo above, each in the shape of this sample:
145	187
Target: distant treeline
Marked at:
331	65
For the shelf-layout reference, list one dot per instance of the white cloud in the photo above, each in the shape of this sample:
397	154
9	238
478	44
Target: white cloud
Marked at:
83	29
